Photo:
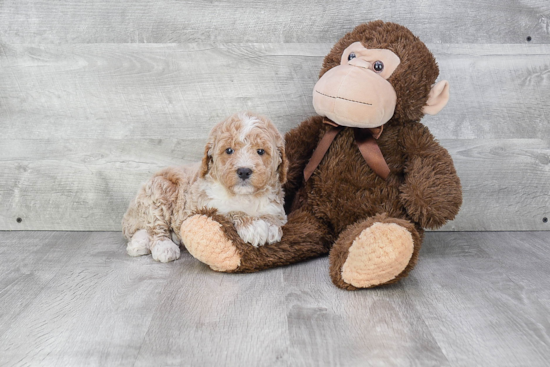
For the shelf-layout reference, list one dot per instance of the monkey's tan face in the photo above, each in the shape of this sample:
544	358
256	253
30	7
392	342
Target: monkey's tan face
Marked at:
357	92
246	156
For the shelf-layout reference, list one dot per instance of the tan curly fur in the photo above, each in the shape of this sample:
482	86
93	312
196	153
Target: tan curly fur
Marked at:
254	205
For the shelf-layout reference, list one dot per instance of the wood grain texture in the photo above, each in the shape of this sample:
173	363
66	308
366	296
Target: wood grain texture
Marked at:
27	266
84	125
478	313
334	327
73	184
95	311
167	21
151	91
475	299
88	184
525	259
505	184
161	91
214	319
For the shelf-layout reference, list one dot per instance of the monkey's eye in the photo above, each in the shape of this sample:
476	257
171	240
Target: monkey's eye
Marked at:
229	151
378	66
351	56
261	151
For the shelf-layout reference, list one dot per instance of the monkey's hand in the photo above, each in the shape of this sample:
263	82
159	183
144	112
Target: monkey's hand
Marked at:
431	192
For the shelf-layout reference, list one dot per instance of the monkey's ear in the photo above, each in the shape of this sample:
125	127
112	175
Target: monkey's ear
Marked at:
437	99
206	160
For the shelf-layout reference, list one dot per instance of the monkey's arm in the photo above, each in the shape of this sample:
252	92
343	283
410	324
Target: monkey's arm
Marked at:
300	143
431	192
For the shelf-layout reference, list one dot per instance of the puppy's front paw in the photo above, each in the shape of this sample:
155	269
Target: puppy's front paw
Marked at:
275	234
256	233
165	251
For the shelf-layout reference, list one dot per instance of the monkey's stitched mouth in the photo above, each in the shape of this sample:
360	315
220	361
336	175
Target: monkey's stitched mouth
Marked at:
345	99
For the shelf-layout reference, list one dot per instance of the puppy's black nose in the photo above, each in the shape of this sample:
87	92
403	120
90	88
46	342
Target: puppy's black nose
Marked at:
244	173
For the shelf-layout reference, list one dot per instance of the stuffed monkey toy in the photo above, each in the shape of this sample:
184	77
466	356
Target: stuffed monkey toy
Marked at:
365	176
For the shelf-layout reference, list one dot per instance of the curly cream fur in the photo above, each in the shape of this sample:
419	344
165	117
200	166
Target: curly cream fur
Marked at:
255	205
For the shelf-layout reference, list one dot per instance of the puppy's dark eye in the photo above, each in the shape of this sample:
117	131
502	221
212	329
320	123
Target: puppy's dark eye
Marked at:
351	56
261	151
378	66
229	151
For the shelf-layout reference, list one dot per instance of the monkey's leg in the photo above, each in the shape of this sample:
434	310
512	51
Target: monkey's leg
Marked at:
373	252
212	239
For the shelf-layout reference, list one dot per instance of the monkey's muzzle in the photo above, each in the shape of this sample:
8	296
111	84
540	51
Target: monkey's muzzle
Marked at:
355	97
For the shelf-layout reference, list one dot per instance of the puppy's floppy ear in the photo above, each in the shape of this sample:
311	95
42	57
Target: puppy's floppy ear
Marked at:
282	170
206	160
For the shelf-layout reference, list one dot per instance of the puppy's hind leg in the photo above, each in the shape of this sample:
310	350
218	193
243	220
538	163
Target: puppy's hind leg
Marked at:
139	245
147	221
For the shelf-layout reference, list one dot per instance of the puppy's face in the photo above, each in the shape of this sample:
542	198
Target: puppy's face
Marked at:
245	153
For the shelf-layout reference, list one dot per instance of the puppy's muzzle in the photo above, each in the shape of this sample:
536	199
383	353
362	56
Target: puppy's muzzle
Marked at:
244	173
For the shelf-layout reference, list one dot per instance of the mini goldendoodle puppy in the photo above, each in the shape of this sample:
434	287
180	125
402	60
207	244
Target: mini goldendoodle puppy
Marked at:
241	175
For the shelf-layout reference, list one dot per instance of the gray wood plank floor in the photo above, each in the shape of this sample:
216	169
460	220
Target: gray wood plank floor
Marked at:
77	299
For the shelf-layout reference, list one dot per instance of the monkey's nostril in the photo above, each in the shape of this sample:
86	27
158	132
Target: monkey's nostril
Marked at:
244	173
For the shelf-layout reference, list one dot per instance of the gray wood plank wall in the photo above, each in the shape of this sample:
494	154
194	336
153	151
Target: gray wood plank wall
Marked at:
96	96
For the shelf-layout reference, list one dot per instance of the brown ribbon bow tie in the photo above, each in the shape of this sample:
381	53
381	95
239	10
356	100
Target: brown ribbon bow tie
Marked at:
366	142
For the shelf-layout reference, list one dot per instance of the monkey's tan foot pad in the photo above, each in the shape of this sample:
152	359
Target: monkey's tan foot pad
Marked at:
206	241
380	253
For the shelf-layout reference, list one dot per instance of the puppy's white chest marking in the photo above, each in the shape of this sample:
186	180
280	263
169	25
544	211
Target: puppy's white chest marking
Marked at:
220	199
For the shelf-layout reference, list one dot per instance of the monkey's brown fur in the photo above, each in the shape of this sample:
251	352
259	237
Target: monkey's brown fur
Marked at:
344	196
